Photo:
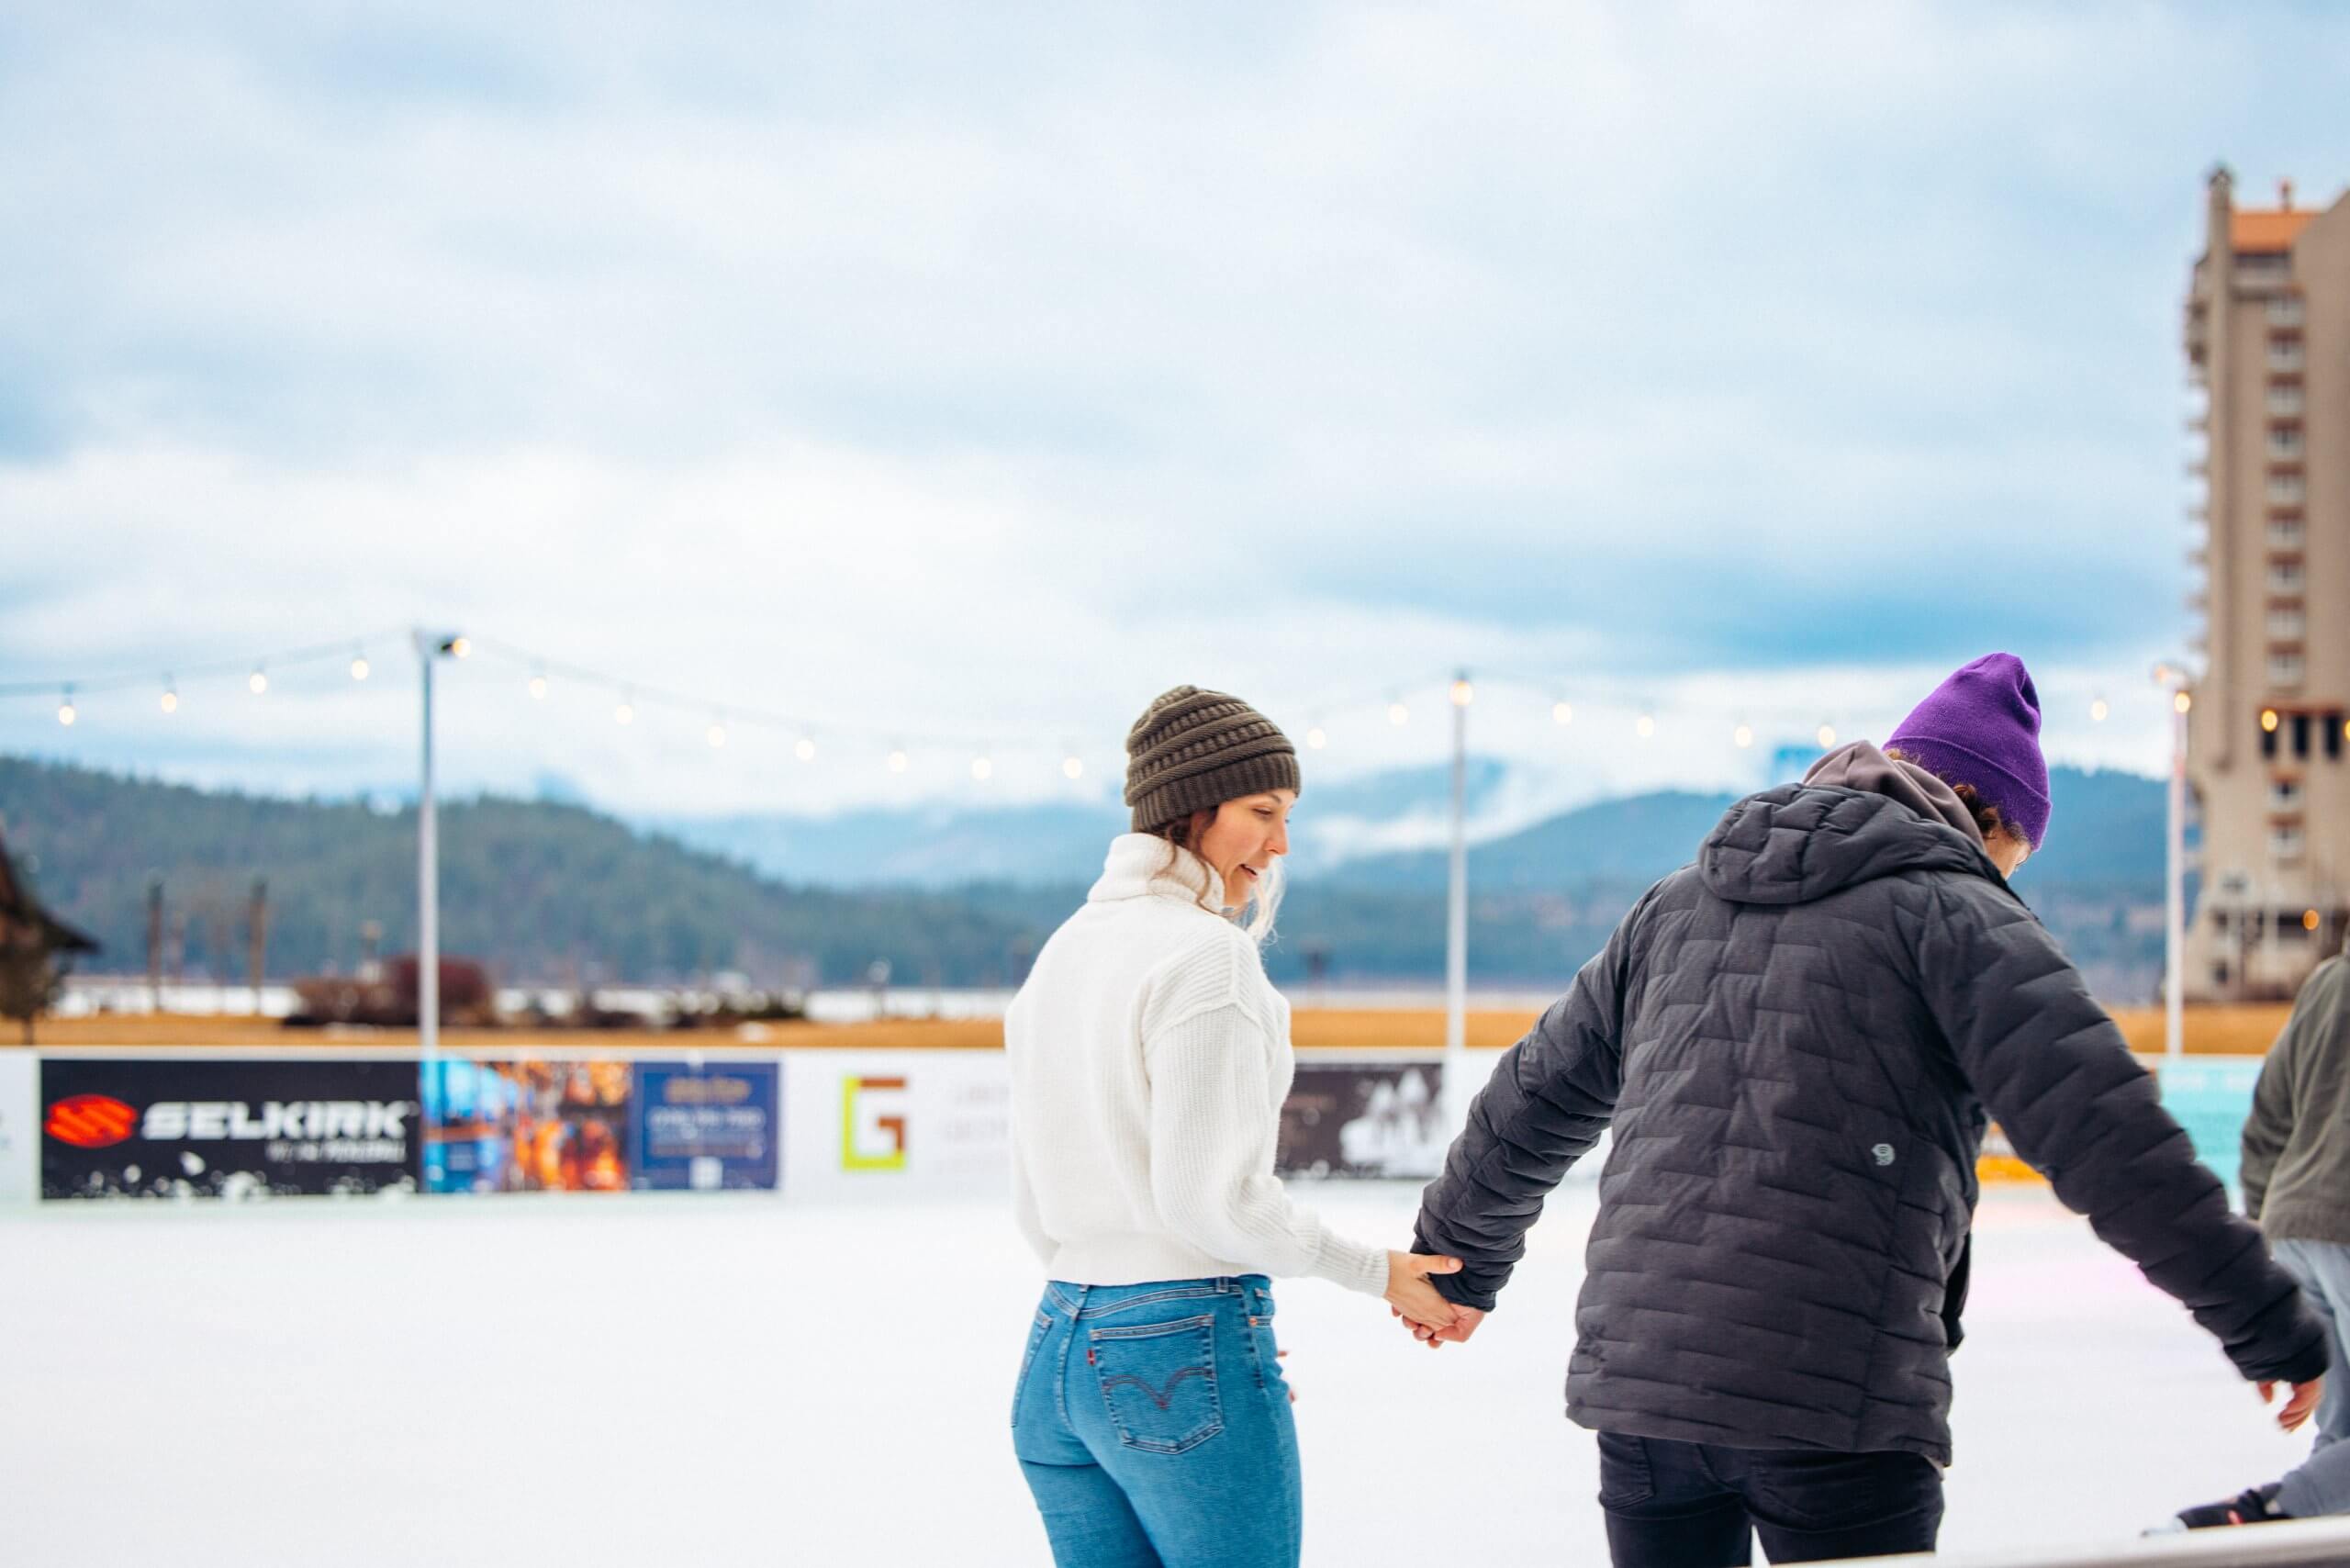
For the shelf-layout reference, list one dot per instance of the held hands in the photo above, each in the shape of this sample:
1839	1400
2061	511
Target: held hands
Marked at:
1412	1299
1464	1323
2297	1408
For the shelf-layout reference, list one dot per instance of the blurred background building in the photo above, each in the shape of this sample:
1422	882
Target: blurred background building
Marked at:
2268	343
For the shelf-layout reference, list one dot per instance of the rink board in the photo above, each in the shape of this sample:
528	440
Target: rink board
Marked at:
812	1124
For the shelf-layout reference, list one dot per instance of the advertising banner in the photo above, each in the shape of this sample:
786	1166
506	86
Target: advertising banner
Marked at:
527	1126
707	1127
247	1128
899	1121
19	1142
1363	1118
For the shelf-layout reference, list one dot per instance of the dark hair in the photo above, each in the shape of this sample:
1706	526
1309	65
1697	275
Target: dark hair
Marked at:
1178	834
1988	820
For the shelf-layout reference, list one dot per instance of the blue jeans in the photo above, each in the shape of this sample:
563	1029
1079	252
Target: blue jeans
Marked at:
1154	1427
2323	1485
1675	1505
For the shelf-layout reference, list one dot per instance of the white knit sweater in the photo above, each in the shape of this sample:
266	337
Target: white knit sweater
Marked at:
1149	1059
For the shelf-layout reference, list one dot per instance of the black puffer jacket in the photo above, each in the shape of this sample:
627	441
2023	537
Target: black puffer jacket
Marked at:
1795	1040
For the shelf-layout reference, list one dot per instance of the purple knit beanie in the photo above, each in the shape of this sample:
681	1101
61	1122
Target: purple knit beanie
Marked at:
1982	727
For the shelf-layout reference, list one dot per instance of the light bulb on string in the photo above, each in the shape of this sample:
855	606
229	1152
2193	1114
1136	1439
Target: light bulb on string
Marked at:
1827	737
257	682
1645	726
2182	701
1742	736
2269	720
626	711
1463	693
2099	709
1317	737
806	750
1562	713
1073	766
717	731
66	713
1397	715
982	768
170	700
897	761
359	663
539	686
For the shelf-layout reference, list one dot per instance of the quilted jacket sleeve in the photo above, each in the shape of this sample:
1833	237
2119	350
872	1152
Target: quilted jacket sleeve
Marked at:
2055	1072
1548	1100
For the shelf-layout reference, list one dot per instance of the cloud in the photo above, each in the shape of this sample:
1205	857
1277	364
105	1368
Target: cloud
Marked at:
975	375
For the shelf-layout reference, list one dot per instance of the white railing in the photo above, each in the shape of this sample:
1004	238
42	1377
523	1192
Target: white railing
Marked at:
2288	1545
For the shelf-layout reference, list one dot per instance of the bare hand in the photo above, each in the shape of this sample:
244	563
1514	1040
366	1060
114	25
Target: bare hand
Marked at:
1283	1356
2297	1408
1411	1295
1464	1323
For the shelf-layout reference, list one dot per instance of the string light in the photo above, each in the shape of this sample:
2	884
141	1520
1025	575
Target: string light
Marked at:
538	688
717	731
2269	720
1463	693
982	769
257	682
170	700
625	713
1073	766
460	647
1398	715
806	750
897	763
65	714
1742	736
1562	713
1317	737
1827	737
2098	710
2310	919
359	664
1645	726
2182	703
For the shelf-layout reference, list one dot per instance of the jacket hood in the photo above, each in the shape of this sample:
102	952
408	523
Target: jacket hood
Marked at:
1801	842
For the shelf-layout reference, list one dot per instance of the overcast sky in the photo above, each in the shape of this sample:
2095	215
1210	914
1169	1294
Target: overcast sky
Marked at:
973	372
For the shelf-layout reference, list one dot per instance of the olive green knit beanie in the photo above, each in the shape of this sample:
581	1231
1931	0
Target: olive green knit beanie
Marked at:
1192	750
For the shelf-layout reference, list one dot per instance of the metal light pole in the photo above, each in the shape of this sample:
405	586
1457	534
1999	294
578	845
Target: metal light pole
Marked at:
430	646
1456	935
2174	870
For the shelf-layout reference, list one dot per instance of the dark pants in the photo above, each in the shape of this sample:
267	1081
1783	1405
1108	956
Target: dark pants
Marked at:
1673	1505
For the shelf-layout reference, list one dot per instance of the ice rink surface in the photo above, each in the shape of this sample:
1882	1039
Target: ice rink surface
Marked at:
741	1380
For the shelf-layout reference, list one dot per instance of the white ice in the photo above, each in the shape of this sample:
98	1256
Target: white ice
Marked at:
745	1380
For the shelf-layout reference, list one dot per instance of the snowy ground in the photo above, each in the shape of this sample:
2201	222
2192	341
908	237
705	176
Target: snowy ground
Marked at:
731	1380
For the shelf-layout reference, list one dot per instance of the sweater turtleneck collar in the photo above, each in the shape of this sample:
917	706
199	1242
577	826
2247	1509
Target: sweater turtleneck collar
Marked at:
1137	867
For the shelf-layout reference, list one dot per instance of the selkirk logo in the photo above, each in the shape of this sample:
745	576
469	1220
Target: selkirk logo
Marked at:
91	1121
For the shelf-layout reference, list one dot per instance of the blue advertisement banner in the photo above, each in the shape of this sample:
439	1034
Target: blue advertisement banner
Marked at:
707	1127
2210	1098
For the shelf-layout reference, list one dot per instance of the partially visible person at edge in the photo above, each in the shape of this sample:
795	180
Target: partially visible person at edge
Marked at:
2296	1177
1149	1060
1796	1040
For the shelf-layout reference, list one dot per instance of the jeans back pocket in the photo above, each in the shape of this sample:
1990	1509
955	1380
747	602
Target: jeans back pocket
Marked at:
1158	1382
1036	1332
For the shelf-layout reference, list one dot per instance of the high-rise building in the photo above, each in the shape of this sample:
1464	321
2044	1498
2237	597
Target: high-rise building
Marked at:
2268	754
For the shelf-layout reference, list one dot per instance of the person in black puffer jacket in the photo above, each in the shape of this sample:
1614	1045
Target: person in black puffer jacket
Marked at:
1799	1041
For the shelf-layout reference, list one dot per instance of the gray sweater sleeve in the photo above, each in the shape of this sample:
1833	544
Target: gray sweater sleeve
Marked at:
1549	1098
2057	1073
2269	1126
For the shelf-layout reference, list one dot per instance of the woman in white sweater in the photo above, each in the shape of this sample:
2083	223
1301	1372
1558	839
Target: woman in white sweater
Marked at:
1149	1059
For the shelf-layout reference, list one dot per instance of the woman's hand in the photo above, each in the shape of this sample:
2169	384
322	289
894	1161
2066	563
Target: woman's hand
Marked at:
1409	1293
